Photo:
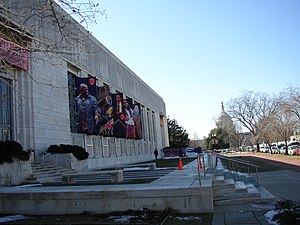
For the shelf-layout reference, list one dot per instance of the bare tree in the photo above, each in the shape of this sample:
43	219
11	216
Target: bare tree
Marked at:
267	132
249	109
85	12
284	122
237	135
292	98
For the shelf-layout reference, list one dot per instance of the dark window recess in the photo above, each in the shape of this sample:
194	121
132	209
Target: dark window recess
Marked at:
5	110
72	102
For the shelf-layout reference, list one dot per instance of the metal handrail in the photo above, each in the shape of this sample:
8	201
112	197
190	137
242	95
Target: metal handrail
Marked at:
232	161
55	155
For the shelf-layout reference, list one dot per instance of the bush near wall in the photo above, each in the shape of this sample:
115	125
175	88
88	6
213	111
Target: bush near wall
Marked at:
10	150
79	152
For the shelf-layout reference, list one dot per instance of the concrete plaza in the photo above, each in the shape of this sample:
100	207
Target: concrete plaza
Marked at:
179	189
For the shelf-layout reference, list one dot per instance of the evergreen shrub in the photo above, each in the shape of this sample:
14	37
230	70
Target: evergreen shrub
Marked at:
288	212
79	152
10	150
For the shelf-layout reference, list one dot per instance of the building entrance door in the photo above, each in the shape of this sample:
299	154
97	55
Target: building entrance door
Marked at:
5	110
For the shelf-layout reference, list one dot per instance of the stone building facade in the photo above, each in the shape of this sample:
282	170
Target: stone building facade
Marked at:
37	86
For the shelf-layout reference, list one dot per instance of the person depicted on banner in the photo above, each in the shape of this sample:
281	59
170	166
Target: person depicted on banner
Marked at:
119	108
107	108
130	127
137	121
106	118
155	153
119	125
87	110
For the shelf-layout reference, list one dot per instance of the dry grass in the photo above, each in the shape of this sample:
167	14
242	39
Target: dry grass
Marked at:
265	161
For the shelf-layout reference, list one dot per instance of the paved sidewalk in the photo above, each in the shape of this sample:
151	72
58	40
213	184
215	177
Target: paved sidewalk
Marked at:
281	184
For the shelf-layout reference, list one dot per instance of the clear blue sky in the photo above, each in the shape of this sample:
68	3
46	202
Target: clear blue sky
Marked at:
196	54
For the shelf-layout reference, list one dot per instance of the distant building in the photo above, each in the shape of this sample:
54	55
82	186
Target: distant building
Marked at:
45	60
295	137
231	135
224	120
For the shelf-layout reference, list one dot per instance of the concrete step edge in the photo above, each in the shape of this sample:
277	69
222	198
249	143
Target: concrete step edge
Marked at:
234	196
240	187
221	192
224	182
219	180
265	195
237	201
54	171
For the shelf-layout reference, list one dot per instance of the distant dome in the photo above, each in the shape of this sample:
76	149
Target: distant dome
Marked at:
224	120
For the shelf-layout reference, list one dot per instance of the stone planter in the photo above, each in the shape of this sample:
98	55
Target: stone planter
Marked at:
14	173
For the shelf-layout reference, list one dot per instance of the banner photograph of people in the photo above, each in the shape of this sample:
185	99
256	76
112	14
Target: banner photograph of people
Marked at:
102	113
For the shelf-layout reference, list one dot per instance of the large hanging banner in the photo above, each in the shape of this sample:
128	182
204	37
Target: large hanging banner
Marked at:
86	105
103	113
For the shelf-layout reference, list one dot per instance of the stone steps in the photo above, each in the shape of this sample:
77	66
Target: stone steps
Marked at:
238	189
45	173
49	174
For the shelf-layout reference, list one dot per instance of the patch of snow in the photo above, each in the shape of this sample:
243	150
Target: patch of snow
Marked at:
143	168
13	218
263	205
219	164
29	185
170	157
242	174
192	154
123	219
269	217
188	218
135	168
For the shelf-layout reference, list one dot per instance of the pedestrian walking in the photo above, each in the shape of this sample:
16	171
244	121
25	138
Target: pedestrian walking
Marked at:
155	153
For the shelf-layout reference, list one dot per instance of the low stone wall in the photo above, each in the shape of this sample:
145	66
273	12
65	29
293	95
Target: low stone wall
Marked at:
177	190
14	173
185	200
68	160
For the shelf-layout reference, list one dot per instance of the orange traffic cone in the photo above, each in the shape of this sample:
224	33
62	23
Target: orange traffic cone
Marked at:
201	165
180	166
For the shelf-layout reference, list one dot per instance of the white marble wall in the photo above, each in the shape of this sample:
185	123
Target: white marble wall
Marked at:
43	119
14	173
